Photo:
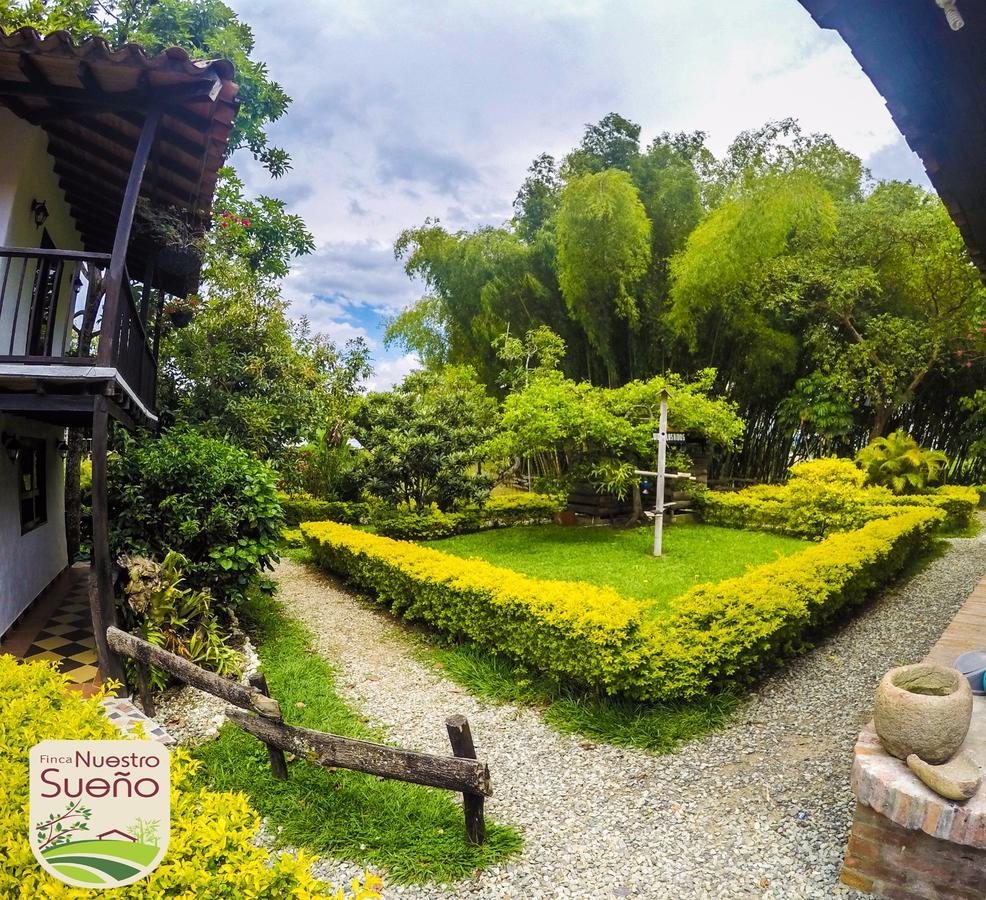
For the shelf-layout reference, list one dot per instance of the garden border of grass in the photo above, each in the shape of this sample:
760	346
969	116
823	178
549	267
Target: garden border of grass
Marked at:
721	634
413	834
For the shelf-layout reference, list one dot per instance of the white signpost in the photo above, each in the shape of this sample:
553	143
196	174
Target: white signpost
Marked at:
662	449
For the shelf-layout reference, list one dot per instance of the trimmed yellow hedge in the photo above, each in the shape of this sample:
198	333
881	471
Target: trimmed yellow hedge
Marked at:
721	634
715	635
211	853
812	508
572	630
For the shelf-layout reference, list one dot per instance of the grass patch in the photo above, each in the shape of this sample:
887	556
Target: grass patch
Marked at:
648	726
621	559
415	834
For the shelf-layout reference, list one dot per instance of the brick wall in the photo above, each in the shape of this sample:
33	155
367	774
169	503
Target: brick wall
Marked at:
898	863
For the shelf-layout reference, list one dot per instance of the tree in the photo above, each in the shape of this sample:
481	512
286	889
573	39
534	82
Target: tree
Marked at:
575	432
537	200
206	29
612	143
424	437
241	371
603	251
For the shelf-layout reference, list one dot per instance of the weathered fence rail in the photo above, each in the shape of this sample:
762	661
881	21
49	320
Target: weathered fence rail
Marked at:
260	715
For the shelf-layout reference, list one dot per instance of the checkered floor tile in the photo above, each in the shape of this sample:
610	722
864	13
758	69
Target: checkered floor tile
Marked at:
67	638
123	714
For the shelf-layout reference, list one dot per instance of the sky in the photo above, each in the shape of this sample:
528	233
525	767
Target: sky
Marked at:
436	109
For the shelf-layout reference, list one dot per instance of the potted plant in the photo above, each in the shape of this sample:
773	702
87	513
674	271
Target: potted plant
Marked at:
180	310
177	233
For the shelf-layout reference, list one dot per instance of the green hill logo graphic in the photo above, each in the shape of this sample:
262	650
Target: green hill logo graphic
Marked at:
100	810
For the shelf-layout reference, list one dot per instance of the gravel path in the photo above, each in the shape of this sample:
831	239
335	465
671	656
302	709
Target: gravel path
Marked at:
761	810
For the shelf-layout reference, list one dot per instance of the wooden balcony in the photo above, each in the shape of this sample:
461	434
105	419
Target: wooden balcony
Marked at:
56	351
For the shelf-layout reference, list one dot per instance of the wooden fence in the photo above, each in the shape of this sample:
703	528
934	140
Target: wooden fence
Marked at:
260	715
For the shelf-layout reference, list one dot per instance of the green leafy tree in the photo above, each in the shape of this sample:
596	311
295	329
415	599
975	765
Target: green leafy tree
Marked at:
424	438
603	252
576	432
206	29
901	464
539	350
241	371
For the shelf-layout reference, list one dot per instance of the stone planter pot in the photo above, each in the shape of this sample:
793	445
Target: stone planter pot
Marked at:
923	709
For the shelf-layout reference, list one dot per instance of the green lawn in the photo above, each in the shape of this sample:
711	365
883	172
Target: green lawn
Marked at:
622	559
413	833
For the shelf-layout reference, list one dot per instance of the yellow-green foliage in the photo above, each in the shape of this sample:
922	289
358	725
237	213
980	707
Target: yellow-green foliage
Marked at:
715	635
580	632
823	497
829	469
721	634
211	853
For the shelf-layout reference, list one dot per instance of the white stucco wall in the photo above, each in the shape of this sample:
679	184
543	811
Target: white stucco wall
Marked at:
29	562
27	173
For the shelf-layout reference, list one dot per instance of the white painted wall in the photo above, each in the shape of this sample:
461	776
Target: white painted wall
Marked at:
27	173
29	562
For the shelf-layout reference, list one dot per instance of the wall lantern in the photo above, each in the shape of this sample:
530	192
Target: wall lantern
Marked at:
39	210
11	445
62	449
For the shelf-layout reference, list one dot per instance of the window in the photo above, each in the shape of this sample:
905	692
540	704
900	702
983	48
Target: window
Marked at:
33	493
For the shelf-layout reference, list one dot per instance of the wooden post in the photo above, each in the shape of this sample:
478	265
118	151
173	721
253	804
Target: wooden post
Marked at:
278	762
101	601
144	688
121	240
460	737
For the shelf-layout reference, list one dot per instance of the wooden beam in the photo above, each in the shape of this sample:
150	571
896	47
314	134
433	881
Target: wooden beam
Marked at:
112	100
101	601
32	71
122	149
117	268
449	772
136	648
47	403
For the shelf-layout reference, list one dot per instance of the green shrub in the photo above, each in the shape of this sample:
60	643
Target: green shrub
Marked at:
980	489
300	508
214	504
715	635
178	619
212	853
900	463
430	523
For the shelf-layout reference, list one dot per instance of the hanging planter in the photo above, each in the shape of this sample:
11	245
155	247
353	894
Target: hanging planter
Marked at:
179	259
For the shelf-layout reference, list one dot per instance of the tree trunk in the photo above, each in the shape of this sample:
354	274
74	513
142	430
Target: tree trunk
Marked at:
880	418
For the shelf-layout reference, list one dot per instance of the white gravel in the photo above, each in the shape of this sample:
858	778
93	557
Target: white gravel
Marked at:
762	809
192	716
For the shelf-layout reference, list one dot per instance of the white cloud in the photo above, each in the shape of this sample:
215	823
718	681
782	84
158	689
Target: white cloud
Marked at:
404	111
389	372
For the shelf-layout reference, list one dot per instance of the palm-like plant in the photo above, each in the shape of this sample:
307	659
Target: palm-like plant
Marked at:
900	463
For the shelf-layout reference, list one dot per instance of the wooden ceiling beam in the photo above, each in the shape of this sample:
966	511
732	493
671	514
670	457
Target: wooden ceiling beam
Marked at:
124	144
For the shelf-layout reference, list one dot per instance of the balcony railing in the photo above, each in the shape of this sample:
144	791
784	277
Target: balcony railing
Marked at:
51	306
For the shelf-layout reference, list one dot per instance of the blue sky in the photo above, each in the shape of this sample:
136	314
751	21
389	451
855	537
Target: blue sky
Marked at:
404	111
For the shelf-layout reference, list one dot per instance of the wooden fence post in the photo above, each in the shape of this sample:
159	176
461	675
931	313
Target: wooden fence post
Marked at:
460	737
144	688
278	762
